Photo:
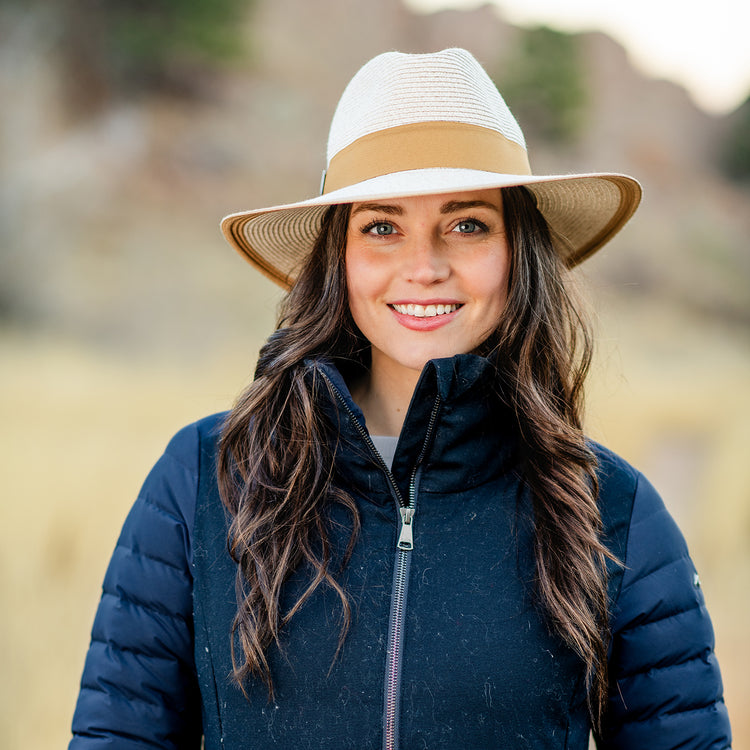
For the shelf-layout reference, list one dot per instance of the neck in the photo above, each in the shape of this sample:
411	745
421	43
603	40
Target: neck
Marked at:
384	397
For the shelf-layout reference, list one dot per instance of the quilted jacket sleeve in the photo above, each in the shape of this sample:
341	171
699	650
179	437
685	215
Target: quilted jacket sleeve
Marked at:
139	688
666	689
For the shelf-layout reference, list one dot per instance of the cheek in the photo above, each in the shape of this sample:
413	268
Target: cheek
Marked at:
367	275
489	281
354	276
361	281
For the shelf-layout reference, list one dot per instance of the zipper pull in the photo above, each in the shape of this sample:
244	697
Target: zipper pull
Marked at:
406	538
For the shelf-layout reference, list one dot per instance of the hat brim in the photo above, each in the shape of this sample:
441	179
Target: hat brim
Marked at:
582	211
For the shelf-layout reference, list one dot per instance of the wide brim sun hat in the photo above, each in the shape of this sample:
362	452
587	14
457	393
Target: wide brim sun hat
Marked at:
427	124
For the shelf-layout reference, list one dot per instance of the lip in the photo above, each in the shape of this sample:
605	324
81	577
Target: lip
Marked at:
430	323
425	302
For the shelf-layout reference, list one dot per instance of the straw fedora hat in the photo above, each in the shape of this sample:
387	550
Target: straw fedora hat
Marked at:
418	124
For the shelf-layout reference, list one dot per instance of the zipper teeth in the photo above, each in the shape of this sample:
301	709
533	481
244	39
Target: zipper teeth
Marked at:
393	668
423	453
396	636
366	437
403	558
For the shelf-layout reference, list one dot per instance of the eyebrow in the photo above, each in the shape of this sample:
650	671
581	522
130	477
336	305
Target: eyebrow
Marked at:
447	208
382	207
453	206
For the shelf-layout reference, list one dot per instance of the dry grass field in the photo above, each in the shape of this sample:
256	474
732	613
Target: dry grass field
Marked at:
80	428
79	432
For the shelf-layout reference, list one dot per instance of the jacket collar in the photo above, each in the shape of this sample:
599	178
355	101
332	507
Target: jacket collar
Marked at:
471	441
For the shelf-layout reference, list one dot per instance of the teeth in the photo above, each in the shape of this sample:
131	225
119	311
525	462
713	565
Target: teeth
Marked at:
425	311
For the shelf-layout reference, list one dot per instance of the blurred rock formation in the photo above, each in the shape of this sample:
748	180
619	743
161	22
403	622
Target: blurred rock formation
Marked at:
109	210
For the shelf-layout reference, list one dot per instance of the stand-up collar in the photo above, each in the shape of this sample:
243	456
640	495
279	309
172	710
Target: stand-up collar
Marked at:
471	441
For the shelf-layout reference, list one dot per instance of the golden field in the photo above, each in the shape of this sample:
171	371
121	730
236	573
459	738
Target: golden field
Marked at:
81	427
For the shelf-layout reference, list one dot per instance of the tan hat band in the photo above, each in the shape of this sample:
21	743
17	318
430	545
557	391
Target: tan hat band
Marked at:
425	145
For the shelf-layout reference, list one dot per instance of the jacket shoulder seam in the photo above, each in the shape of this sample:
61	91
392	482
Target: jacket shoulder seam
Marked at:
624	562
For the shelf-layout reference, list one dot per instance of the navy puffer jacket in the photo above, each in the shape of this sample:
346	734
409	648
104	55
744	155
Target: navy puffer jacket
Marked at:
446	649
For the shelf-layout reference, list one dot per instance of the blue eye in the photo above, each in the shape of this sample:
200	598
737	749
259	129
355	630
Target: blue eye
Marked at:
469	226
380	228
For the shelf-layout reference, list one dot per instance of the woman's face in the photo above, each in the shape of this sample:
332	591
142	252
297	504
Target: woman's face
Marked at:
427	276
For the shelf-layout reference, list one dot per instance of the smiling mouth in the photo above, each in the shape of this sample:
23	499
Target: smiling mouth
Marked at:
425	311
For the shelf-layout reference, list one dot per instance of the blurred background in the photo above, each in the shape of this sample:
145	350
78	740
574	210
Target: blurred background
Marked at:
127	130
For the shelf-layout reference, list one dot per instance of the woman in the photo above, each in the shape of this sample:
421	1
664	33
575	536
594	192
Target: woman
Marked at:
399	536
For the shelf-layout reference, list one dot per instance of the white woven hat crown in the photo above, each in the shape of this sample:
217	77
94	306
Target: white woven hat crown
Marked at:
416	124
444	87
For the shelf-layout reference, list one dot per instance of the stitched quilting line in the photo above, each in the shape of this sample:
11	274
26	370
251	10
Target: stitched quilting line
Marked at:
669	616
651	669
148	606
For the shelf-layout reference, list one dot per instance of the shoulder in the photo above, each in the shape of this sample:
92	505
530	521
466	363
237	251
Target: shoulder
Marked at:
641	531
618	488
618	480
626	495
185	446
155	544
151	564
184	456
165	506
654	560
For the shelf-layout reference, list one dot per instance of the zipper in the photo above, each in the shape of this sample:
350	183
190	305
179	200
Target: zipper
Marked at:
368	441
404	546
394	655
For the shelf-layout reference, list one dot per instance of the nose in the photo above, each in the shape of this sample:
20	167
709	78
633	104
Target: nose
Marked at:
425	261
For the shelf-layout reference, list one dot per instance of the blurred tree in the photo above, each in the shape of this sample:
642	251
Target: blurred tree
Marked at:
113	48
544	85
735	152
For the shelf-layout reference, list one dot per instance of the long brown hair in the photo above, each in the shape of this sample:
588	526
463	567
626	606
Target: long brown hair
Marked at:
275	462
